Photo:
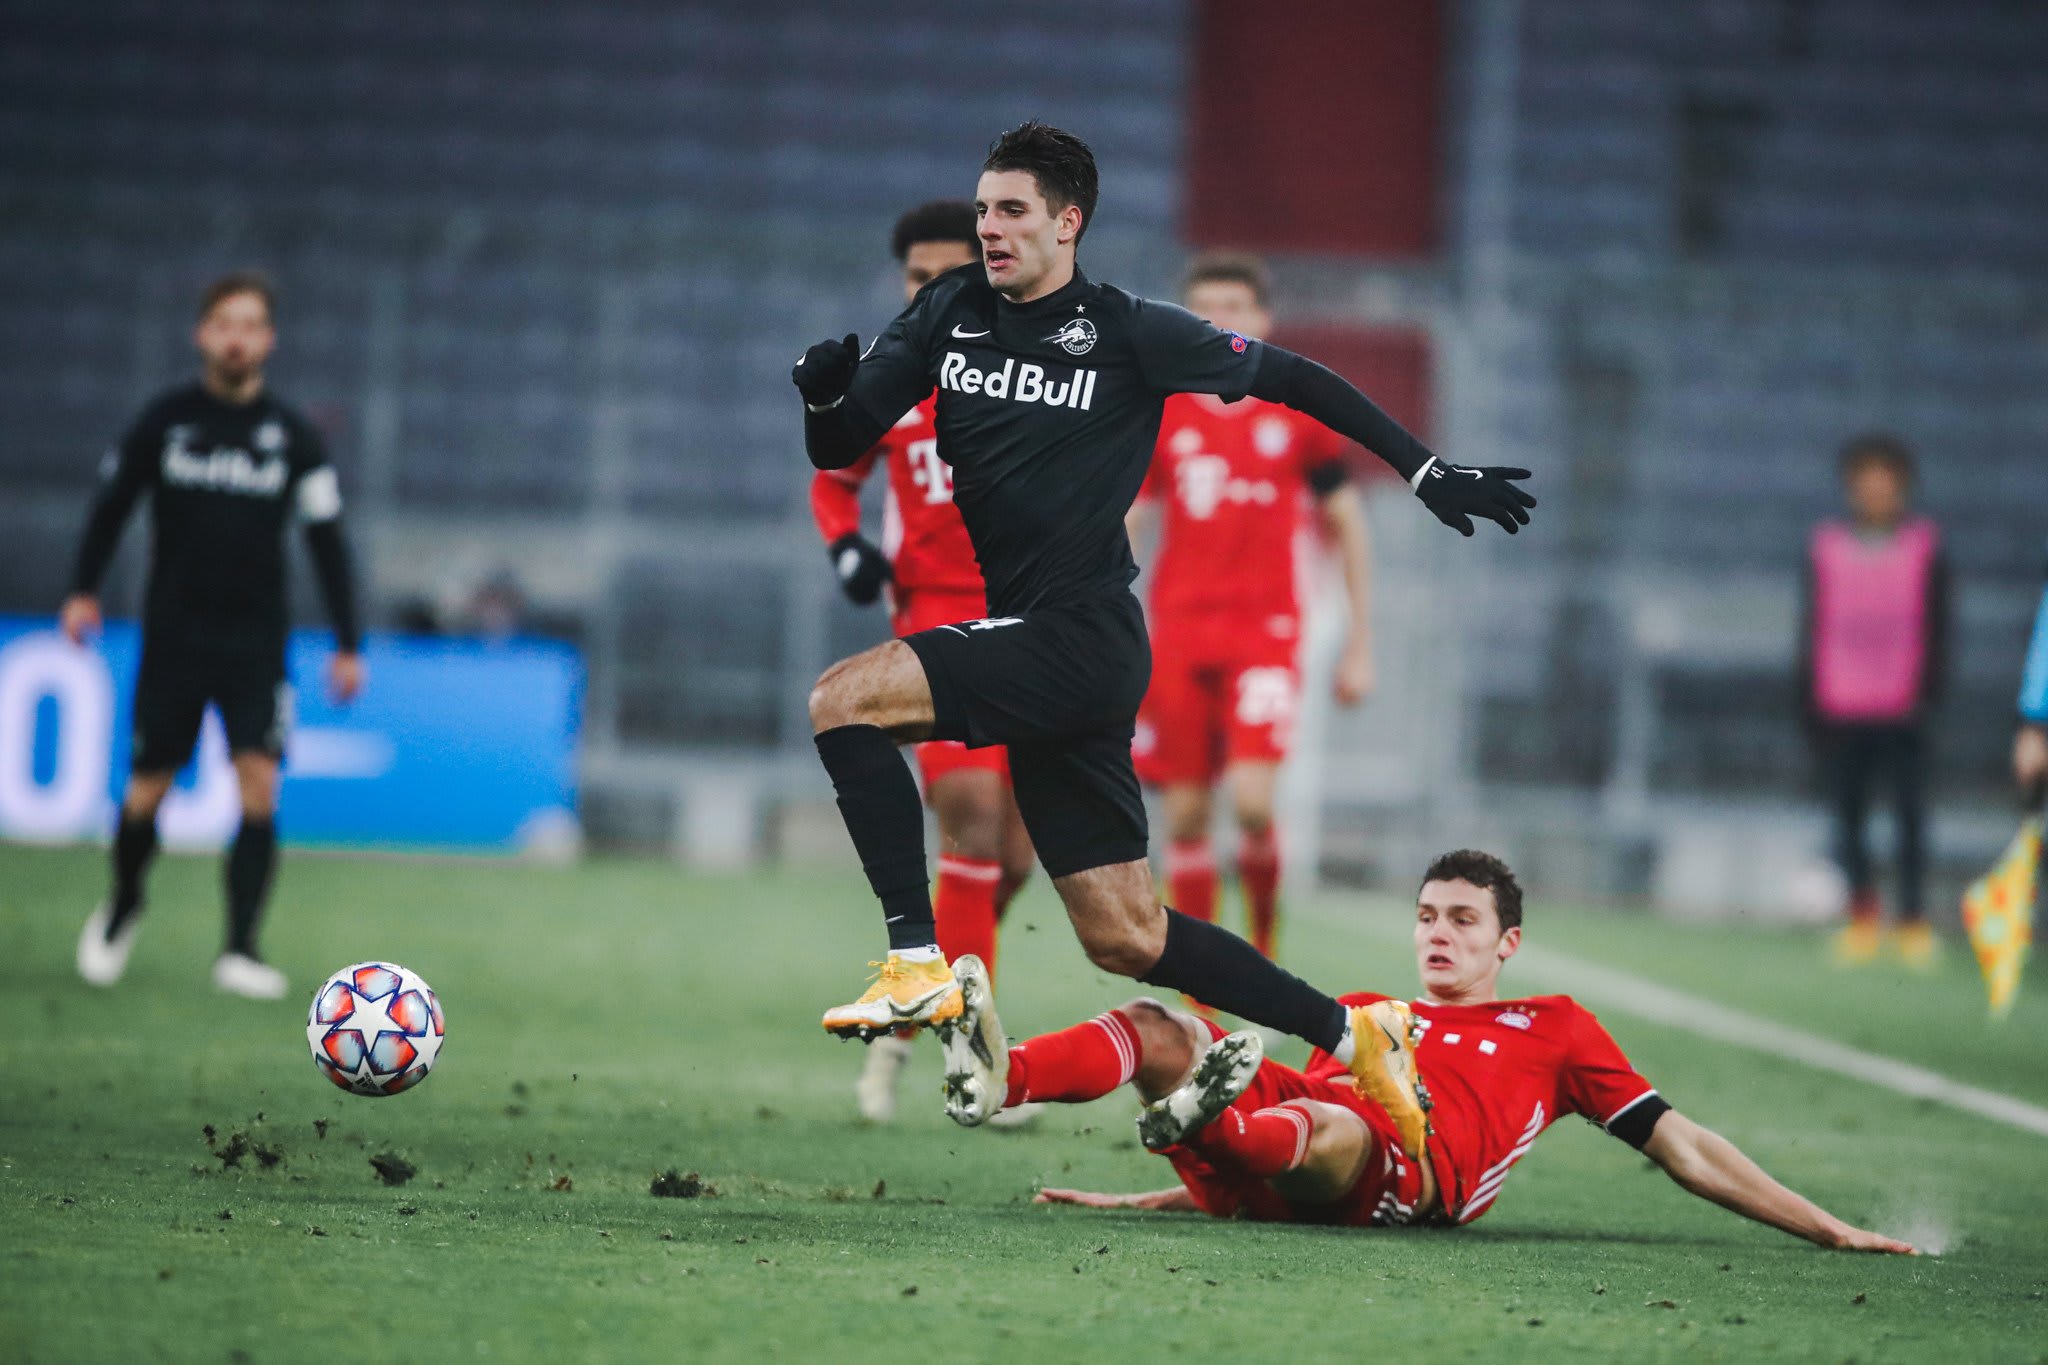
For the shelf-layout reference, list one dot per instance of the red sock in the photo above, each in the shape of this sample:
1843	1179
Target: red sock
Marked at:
965	908
1081	1063
1262	1143
1191	878
1258	869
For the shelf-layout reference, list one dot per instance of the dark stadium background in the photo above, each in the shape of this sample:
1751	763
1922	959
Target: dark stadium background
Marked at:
544	269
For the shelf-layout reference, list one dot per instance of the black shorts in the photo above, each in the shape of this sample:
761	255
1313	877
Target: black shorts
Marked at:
1060	686
171	693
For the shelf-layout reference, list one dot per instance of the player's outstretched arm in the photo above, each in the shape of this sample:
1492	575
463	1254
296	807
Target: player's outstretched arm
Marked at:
1175	1200
836	432
1712	1167
857	562
1455	493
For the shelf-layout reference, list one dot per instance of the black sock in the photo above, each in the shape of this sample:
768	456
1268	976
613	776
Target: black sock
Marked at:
1220	969
878	800
134	846
250	862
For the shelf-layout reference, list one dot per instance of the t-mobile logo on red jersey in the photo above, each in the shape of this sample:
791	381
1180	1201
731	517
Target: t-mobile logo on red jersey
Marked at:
930	473
1031	384
1204	484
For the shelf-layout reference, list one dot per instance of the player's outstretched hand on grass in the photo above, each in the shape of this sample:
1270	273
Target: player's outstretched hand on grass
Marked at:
80	617
1856	1239
1176	1199
1457	493
1086	1199
825	372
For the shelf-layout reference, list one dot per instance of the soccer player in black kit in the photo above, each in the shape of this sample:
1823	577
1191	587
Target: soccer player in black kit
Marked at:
227	465
1050	389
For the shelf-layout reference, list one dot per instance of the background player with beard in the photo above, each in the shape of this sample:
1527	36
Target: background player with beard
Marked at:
1230	482
1050	393
226	464
1255	1139
927	564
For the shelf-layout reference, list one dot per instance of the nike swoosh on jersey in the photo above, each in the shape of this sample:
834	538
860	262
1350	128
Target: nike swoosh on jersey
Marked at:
965	335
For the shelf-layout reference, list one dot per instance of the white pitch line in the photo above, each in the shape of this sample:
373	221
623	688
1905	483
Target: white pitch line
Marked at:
1662	1005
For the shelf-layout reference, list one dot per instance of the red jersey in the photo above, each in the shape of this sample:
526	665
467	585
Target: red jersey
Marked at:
922	533
1501	1073
1235	480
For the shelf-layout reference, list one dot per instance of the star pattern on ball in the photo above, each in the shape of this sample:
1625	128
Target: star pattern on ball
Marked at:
375	1028
369	1020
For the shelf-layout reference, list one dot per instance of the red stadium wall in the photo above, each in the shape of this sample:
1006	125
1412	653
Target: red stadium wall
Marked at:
1316	132
1393	365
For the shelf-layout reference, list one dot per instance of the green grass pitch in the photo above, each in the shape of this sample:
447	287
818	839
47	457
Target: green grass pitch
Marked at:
612	1021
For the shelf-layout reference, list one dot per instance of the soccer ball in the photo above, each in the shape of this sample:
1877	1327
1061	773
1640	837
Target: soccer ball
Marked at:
375	1028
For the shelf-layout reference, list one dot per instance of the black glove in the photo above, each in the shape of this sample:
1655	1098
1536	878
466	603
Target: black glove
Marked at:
826	371
1457	494
862	568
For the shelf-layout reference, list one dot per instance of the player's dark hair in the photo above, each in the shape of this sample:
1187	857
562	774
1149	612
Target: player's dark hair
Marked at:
1230	267
1060	162
941	220
240	282
1486	872
1877	448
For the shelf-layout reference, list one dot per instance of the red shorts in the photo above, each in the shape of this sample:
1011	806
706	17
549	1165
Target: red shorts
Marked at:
1222	692
1386	1194
925	610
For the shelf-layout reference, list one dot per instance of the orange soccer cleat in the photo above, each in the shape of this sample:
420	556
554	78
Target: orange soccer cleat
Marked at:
1916	945
902	995
1383	1069
1858	942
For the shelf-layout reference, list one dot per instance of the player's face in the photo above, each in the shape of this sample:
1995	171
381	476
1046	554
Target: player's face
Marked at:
235	338
1459	946
1023	242
1230	305
1876	494
926	261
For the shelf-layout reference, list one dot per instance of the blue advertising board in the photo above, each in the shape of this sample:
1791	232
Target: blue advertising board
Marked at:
453	744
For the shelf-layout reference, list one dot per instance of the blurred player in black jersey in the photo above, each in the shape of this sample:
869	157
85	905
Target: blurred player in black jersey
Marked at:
227	465
1050	390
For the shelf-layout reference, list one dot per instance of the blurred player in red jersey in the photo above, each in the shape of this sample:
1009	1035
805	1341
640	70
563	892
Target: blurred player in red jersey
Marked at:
1231	484
928	566
1251	1138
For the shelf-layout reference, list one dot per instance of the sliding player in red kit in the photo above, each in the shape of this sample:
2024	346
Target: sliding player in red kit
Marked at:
1251	1138
927	563
1232	484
